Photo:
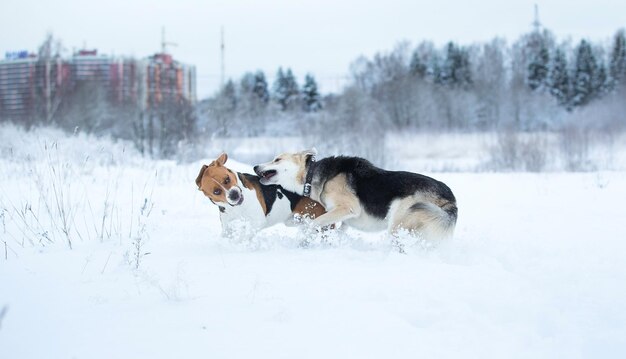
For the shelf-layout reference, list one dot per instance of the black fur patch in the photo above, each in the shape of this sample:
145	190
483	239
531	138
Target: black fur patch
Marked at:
270	192
375	187
293	198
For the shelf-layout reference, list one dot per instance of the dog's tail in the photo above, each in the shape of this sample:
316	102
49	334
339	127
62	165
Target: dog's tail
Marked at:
436	221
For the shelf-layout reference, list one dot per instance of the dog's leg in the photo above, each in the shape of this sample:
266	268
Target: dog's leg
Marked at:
340	202
401	222
338	214
226	230
420	217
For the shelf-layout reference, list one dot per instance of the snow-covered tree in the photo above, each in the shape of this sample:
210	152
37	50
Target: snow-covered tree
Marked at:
417	67
225	105
279	88
584	73
558	79
490	81
246	85
600	81
435	68
456	67
260	87
310	95
229	94
49	94
286	89
254	87
617	65
538	68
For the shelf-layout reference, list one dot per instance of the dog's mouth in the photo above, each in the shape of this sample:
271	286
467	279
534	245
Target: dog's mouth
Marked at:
266	175
235	197
240	201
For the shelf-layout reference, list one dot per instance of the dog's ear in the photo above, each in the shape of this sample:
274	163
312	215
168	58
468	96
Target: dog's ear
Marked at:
310	152
222	159
199	178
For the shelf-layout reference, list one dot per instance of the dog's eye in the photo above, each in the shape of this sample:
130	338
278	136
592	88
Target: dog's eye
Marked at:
217	191
227	180
277	160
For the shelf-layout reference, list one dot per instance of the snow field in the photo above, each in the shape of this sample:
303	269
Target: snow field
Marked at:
536	269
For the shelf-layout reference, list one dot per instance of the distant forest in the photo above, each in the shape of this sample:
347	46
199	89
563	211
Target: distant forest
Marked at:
535	83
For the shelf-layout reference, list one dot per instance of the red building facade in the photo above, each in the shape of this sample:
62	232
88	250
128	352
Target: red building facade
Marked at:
30	86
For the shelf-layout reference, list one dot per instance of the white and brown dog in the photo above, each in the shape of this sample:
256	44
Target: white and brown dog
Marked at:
243	200
365	197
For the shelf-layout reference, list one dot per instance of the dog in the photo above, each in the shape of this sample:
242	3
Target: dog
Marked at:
241	197
356	193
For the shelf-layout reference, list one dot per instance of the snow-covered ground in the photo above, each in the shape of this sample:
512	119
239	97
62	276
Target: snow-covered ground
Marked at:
536	268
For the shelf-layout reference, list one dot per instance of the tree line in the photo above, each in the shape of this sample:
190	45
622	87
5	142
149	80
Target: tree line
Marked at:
535	83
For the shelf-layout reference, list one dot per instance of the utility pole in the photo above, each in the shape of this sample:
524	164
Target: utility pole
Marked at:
163	39
222	50
536	23
165	44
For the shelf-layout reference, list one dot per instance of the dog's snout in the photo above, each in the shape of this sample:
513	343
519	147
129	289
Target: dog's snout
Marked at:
234	195
257	169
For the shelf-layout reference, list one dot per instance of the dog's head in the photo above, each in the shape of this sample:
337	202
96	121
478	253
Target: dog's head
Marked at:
219	183
287	170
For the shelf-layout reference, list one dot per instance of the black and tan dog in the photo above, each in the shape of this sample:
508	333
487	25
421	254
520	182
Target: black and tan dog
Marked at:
243	199
363	196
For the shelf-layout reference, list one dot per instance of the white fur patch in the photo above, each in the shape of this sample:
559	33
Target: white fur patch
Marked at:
251	213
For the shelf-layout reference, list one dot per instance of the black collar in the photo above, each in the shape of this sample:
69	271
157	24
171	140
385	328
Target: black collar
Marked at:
309	176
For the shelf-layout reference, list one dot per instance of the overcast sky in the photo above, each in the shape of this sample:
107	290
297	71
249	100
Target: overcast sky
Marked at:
322	37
